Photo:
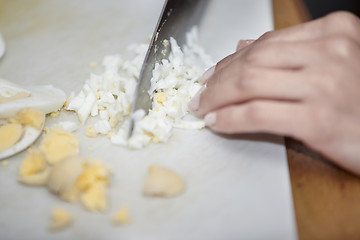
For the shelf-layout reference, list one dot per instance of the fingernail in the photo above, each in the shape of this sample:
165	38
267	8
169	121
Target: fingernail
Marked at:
195	101
205	77
243	43
210	119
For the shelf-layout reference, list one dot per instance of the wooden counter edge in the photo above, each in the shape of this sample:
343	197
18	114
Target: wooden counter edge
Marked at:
326	198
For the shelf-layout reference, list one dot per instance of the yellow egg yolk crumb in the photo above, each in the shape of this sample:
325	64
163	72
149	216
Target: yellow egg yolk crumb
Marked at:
160	97
93	64
92	182
59	144
33	163
122	216
155	140
76	177
54	114
93	172
90	132
33	169
60	219
95	199
31	117
163	182
10	134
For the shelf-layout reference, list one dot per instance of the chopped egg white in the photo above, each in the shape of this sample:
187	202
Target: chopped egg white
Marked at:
108	96
69	126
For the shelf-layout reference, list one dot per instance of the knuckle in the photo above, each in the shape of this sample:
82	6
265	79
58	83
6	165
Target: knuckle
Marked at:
267	35
250	58
230	122
245	80
341	46
346	19
227	120
255	113
348	22
222	63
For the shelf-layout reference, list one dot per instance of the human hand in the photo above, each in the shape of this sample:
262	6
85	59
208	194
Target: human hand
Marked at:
302	82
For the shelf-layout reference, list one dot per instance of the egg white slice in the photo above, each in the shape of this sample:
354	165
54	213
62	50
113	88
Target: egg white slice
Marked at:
10	91
45	98
29	136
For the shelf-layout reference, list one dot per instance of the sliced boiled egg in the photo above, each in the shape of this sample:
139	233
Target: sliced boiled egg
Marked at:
10	91
20	131
13	98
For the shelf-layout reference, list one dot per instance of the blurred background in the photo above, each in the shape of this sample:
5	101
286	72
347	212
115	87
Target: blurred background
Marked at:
319	8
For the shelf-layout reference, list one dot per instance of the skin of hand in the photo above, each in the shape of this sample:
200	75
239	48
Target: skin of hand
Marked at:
302	82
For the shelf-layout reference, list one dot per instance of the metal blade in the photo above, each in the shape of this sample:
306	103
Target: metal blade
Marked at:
176	19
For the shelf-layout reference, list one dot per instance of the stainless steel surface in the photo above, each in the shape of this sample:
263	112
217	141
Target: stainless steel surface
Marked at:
176	19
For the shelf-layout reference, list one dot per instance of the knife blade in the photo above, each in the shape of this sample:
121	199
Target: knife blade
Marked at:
176	19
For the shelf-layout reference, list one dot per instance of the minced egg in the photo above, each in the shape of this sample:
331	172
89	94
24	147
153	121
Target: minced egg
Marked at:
108	96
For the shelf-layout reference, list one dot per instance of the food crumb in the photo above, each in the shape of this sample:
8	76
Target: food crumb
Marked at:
122	216
93	64
76	177
90	132
155	140
163	182
94	198
59	144
160	97
33	163
54	114
66	103
60	219
110	134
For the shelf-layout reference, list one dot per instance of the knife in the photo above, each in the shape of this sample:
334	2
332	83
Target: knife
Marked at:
176	19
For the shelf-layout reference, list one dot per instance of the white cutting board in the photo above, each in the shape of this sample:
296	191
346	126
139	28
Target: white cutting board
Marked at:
237	188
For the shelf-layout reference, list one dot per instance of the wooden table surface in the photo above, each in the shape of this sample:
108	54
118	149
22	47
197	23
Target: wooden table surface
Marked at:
326	198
